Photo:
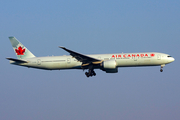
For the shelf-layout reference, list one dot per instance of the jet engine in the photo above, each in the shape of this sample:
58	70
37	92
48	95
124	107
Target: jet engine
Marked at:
109	66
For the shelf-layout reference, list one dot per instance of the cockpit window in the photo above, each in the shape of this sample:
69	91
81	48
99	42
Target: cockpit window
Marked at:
169	56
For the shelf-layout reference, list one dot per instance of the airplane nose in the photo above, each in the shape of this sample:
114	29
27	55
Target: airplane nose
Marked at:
170	59
173	59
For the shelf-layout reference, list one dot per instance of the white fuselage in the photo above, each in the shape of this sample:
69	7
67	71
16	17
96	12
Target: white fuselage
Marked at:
122	60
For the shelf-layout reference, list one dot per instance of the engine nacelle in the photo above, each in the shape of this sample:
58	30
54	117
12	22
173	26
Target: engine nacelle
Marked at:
109	66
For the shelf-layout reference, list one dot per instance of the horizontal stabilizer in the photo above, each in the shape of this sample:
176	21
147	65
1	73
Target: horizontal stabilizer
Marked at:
17	60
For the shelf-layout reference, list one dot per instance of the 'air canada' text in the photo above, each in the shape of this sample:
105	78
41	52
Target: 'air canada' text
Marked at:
133	55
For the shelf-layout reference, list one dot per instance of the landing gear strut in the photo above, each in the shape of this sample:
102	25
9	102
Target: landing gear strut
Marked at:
161	70
90	73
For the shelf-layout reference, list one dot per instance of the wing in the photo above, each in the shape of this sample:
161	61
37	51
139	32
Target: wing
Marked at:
82	58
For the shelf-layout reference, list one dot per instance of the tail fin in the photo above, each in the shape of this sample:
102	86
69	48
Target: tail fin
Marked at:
20	50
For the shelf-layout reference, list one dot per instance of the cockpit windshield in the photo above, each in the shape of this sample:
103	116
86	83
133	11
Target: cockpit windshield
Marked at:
169	56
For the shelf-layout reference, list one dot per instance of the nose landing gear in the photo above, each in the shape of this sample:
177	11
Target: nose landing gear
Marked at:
161	70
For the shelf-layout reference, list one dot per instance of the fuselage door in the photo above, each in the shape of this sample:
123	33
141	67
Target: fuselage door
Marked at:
39	62
68	60
158	57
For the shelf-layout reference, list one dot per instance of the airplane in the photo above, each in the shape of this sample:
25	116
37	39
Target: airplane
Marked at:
105	62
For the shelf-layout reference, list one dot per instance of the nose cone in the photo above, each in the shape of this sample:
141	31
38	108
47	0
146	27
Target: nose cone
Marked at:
171	59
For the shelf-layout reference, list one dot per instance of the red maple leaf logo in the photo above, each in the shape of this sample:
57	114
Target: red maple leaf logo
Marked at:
20	51
152	55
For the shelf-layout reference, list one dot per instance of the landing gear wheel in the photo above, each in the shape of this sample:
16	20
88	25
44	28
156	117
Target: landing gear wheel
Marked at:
87	74
161	70
93	73
90	73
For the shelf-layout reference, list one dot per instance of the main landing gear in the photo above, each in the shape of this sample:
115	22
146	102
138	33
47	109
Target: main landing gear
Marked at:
161	70
90	73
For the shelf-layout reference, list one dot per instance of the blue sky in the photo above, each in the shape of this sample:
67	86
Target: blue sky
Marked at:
90	27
